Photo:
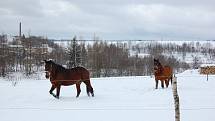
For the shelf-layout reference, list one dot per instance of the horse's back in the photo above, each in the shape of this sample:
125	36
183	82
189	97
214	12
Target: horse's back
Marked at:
80	72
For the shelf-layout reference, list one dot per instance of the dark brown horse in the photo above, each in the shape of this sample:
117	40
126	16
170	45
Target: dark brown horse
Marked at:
60	76
164	74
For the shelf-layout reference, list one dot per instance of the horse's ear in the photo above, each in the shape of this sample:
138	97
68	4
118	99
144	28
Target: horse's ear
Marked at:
51	61
45	61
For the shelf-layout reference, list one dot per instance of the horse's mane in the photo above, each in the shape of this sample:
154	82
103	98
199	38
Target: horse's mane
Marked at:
58	67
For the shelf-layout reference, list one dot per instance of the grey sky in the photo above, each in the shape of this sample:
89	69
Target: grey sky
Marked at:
110	19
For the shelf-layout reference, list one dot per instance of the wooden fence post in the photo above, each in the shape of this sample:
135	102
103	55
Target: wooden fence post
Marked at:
176	99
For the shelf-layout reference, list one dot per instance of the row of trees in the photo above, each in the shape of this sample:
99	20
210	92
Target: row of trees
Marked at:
107	59
101	58
205	48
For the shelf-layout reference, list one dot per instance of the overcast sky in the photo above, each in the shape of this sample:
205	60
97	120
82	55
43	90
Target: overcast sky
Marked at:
110	19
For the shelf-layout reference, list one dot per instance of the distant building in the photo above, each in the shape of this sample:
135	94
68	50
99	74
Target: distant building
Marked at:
207	69
44	49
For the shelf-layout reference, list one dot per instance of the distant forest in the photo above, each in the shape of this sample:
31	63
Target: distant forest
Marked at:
102	59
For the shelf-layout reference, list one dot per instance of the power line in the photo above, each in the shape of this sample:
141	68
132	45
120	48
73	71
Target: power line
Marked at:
132	40
131	108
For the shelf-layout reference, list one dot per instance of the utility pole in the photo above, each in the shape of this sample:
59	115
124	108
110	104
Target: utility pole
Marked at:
17	46
20	30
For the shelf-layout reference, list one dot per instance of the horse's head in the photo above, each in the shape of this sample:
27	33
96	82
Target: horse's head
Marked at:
157	66
48	67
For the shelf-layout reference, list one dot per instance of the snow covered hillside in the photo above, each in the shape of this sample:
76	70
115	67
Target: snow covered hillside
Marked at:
116	99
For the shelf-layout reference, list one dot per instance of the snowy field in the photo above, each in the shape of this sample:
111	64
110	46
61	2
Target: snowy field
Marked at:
116	99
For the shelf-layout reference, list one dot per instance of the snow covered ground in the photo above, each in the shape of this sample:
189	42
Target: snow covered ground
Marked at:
116	99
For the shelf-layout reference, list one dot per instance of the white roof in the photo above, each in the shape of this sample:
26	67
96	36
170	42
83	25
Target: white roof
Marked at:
205	65
15	46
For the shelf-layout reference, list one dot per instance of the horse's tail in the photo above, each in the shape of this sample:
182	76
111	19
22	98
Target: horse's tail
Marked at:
85	77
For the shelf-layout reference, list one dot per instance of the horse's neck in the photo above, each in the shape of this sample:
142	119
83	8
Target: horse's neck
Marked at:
53	72
52	75
161	67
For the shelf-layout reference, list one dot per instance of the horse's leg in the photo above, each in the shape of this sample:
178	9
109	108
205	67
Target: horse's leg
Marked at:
167	83
78	89
162	83
52	89
156	84
58	91
89	88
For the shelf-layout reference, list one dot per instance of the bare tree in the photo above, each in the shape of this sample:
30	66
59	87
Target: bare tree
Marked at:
195	62
3	55
28	56
84	55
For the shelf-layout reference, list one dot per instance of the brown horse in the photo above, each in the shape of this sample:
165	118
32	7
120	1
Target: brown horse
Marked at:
61	76
164	74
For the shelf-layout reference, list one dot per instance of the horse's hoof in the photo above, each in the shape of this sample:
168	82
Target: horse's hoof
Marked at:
88	94
92	95
57	97
53	94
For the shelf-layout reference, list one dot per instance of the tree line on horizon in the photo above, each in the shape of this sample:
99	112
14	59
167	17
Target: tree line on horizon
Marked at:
102	59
